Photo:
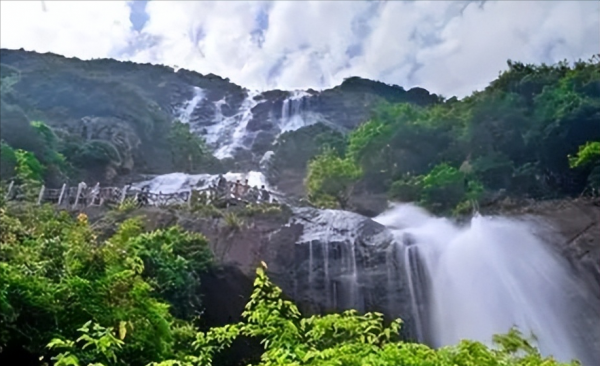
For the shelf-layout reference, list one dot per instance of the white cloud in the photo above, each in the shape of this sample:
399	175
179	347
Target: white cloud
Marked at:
85	29
448	47
478	43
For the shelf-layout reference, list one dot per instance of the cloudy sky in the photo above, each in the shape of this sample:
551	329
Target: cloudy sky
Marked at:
448	47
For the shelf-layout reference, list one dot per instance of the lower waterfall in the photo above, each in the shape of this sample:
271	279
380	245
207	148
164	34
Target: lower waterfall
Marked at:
482	278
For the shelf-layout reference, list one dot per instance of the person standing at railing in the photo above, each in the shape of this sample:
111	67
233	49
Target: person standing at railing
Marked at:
82	188
142	198
244	189
237	190
253	194
222	189
264	194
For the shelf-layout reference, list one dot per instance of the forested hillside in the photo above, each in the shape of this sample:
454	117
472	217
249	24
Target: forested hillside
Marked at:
533	132
113	120
74	125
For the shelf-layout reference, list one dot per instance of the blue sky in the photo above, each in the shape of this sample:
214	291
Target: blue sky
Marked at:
448	47
138	16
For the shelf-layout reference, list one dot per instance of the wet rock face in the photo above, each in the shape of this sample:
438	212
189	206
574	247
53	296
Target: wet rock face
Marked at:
340	257
325	260
346	261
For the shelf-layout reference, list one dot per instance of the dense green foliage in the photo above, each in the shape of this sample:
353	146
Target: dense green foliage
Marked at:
331	179
8	160
588	154
189	152
63	157
55	275
30	145
293	149
515	137
112	128
588	161
346	339
444	188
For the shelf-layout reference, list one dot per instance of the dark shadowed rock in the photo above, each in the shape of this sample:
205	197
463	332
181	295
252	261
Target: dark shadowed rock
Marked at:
325	260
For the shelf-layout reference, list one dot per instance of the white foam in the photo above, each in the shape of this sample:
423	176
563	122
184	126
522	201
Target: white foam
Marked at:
488	276
186	111
180	182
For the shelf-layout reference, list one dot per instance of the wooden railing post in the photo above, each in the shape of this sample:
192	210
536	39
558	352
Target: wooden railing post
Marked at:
9	191
95	192
41	195
62	193
79	188
123	194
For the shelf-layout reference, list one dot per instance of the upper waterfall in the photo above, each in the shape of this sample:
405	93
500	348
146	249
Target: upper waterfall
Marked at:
184	113
295	112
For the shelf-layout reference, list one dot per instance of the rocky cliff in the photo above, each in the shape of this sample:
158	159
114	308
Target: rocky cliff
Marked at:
325	260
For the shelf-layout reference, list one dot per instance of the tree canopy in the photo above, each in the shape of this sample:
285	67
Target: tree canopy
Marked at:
522	135
288	338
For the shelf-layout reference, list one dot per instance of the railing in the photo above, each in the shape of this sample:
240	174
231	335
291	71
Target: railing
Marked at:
83	195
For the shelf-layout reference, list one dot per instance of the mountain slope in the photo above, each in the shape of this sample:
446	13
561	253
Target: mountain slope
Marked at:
132	106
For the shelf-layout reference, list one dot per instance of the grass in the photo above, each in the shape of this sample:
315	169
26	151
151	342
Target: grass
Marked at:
233	221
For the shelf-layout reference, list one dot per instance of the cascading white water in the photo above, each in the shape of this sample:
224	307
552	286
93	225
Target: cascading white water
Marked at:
295	113
345	223
180	182
185	112
231	131
224	134
487	276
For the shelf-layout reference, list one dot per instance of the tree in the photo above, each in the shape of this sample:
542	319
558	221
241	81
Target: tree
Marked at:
56	274
442	190
28	167
189	152
331	179
588	154
515	135
8	161
588	159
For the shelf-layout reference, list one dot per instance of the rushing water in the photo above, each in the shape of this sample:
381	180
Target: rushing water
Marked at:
184	114
483	278
227	134
296	113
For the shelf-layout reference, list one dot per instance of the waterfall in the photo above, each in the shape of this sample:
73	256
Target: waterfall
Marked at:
184	113
450	281
227	134
483	278
223	133
295	112
336	252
